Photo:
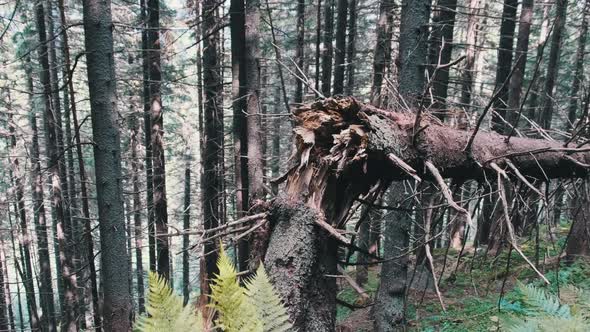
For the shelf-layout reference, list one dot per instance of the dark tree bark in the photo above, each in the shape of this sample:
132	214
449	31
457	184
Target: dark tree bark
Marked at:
7	292
351	49
441	49
240	129
413	49
157	136
504	65
300	49
107	155
318	42
533	112
340	51
46	299
553	63
147	125
186	220
4	320
468	75
382	55
55	167
579	73
578	243
328	48
212	87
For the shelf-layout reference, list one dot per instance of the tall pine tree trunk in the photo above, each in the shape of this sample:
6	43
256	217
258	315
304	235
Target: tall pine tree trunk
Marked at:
382	55
137	226
300	49
186	223
340	51
351	49
579	73
328	49
107	155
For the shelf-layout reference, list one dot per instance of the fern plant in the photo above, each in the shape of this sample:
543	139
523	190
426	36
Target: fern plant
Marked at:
253	308
547	313
166	311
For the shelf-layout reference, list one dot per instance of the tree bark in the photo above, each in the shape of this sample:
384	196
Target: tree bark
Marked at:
157	136
553	63
413	49
138	232
441	49
578	243
107	155
579	73
468	75
300	49
504	64
340	51
46	299
328	48
4	320
351	49
212	87
522	47
382	54
186	220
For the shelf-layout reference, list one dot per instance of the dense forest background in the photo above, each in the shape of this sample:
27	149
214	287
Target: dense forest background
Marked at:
394	164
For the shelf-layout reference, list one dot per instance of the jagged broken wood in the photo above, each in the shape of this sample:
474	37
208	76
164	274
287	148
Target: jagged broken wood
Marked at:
343	149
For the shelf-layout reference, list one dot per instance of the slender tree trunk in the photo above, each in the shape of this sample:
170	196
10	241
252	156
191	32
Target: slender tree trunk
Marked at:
186	217
148	137
240	129
441	49
135	166
340	51
328	48
107	155
522	47
537	84
351	49
52	129
504	65
318	42
212	87
578	243
275	165
468	75
4	319
46	298
382	55
157	136
553	63
7	291
300	49
579	73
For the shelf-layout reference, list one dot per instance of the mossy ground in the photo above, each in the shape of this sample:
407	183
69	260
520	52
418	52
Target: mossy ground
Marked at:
481	293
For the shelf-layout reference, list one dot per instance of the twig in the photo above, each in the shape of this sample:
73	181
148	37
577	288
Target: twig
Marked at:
446	192
523	179
404	166
333	231
353	283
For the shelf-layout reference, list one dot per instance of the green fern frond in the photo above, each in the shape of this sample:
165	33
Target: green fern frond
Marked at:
236	312
267	302
166	311
539	299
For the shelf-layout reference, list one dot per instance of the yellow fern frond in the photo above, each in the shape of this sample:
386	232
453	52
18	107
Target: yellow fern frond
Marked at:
165	310
235	312
267	302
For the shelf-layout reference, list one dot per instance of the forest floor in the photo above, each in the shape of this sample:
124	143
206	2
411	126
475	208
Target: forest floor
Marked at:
480	295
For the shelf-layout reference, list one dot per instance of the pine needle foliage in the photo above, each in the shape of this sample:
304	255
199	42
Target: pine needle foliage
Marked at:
547	313
165	310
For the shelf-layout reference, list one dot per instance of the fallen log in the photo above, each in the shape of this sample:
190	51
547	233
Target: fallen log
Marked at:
343	149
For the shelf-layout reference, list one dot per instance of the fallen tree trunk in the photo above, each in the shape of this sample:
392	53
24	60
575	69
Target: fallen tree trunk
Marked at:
346	149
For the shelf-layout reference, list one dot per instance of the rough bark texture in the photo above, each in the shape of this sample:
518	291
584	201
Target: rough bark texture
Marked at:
441	49
553	63
468	75
413	48
351	49
504	65
328	48
298	261
107	155
186	224
211	151
340	51
579	73
137	227
522	47
157	122
300	49
382	54
578	243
